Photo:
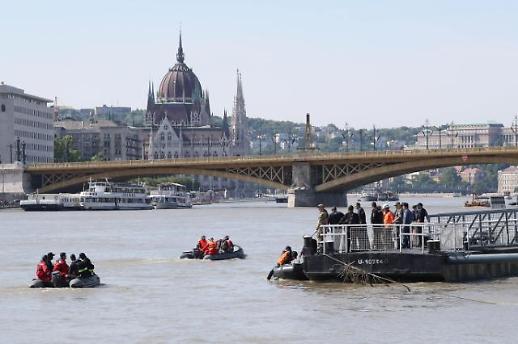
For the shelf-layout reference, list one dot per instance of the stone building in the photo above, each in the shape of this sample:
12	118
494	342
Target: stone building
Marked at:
508	179
26	127
462	136
102	138
180	121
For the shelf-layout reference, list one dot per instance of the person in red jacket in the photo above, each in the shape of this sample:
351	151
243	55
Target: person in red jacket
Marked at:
212	247
201	247
61	266
42	271
227	245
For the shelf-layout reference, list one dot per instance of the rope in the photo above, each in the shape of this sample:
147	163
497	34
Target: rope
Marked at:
375	276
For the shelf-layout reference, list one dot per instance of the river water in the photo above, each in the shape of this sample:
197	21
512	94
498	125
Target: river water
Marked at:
150	296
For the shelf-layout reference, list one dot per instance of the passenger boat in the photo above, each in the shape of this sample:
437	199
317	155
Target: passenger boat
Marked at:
171	196
51	202
114	196
195	254
368	197
454	247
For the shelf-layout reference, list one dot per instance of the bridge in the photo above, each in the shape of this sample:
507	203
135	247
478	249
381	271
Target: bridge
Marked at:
309	177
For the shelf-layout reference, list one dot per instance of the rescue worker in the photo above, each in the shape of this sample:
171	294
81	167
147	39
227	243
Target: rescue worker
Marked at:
85	266
43	273
212	247
323	219
50	266
351	218
201	247
286	256
61	266
377	221
388	220
227	245
73	269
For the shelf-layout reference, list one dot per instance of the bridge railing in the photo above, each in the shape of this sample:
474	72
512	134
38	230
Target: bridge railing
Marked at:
305	156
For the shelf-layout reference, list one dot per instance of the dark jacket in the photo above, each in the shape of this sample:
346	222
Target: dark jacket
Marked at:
350	219
361	215
85	267
376	216
334	218
421	215
73	270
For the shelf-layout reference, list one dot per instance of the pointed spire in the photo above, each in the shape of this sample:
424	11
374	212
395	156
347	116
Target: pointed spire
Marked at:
179	54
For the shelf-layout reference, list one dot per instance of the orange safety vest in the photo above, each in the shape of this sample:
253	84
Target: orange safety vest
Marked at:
212	248
202	244
388	218
284	258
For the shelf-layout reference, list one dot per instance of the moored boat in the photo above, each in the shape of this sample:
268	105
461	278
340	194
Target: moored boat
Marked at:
104	195
171	196
458	247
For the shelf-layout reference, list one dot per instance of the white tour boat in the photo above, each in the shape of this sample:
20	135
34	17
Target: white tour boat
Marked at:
42	202
114	196
171	196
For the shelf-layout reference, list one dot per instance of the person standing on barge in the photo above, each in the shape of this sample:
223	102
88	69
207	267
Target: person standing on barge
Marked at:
323	219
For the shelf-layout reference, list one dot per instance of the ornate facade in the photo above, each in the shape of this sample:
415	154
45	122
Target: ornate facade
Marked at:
181	123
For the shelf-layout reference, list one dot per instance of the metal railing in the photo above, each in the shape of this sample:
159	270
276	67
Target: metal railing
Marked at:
414	237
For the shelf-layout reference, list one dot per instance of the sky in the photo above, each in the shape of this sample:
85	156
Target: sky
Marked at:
384	63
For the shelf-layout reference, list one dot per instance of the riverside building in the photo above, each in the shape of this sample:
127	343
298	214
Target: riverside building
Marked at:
26	127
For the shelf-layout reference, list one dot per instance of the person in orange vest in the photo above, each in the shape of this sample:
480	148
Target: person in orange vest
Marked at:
388	220
61	266
212	247
42	271
286	256
201	247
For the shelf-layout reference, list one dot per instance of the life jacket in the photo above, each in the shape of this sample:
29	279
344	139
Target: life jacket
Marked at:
212	248
202	244
86	268
388	218
61	266
284	258
42	272
230	245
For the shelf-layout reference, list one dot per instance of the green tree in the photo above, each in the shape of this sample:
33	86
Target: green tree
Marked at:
64	150
450	179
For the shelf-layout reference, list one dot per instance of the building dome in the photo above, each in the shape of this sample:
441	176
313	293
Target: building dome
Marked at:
179	84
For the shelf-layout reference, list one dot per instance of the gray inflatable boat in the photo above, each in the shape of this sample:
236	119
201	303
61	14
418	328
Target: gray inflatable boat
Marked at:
85	282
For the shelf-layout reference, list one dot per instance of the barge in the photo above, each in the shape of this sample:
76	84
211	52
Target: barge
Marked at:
454	247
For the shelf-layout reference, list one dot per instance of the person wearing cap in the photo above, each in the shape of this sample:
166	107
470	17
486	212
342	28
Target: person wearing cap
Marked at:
61	266
323	219
420	216
335	216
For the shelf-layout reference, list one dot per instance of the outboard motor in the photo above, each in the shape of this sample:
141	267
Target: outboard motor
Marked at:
310	246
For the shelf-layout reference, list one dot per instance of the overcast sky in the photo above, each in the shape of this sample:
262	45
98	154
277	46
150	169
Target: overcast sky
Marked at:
391	63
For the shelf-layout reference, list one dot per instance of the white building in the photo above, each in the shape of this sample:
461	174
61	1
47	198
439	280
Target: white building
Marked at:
508	179
26	124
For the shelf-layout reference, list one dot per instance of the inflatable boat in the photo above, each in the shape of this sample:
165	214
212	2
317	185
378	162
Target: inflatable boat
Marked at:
293	271
59	282
197	254
85	282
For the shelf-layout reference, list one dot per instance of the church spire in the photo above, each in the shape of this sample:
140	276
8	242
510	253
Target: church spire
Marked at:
179	54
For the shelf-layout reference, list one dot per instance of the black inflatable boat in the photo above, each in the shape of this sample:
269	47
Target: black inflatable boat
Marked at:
58	282
293	271
197	254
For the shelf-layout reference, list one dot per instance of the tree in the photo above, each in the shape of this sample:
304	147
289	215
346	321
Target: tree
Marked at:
450	179
64	150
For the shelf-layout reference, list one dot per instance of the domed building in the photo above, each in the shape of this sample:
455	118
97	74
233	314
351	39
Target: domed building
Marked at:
180	118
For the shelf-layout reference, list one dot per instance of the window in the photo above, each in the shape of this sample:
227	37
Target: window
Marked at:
3	107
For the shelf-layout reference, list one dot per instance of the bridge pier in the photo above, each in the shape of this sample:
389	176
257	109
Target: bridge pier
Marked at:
14	183
302	194
310	198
